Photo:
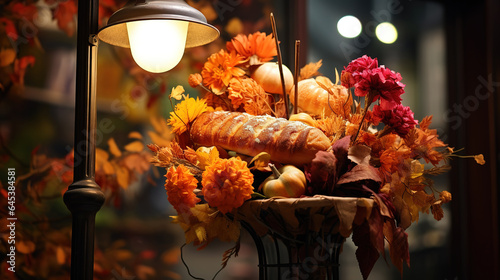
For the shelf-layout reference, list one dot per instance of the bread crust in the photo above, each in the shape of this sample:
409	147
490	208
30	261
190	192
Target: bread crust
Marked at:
288	142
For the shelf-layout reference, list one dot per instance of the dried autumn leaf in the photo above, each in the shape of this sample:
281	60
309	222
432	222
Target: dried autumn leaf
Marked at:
60	255
65	13
29	12
122	254
359	173
321	172
417	169
102	163
122	176
479	159
366	254
399	249
158	139
177	92
206	156
171	256
25	246
425	123
310	70
135	135
261	161
145	272
359	154
10	28
113	148
136	146
7	57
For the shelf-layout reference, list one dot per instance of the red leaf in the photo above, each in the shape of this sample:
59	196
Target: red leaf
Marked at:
376	224
65	16
359	173
26	61
10	28
28	12
321	172
366	254
20	68
399	249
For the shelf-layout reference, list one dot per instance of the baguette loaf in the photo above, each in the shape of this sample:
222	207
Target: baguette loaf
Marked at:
288	142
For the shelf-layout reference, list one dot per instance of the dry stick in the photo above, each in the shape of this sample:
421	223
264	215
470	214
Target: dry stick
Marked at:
296	76
280	64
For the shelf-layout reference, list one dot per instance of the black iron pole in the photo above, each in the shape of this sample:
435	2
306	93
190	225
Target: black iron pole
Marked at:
84	197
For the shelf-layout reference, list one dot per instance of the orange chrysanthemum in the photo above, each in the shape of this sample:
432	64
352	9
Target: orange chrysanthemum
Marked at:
257	47
242	90
185	113
180	185
227	183
220	68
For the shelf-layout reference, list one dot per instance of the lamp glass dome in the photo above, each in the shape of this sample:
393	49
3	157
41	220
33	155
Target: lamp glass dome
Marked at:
136	12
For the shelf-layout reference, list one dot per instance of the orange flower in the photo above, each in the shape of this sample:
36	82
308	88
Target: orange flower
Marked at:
180	185
195	80
220	68
242	89
185	113
227	183
257	47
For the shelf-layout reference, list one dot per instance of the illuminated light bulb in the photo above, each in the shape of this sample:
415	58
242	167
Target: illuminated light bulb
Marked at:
386	32
157	45
349	26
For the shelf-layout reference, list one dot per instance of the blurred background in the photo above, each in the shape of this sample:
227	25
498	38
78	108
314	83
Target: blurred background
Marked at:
445	50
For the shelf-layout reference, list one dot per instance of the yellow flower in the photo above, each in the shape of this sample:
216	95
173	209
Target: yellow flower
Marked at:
185	113
220	68
227	183
180	185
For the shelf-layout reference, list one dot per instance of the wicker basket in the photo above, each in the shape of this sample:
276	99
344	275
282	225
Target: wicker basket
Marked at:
301	238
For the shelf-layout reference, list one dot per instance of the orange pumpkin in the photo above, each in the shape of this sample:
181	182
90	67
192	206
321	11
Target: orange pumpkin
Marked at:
267	75
288	181
314	99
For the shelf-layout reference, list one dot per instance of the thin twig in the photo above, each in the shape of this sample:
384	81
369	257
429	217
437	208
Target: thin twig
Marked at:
280	64
296	76
187	267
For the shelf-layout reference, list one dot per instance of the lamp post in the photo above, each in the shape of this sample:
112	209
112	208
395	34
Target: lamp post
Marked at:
84	197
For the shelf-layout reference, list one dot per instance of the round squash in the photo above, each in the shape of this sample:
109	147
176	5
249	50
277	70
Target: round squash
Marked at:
288	181
267	75
314	99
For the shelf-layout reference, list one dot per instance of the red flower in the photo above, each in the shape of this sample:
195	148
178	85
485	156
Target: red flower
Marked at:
367	77
400	118
357	66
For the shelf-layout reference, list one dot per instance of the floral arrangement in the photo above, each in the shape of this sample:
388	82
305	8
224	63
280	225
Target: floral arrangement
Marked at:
376	148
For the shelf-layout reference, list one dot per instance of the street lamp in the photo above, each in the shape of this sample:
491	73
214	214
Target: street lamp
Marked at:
132	26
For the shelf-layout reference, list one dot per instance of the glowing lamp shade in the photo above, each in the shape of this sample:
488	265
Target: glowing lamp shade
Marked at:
157	31
157	45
